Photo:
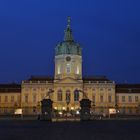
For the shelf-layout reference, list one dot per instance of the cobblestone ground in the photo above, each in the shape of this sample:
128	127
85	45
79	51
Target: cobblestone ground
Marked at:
94	130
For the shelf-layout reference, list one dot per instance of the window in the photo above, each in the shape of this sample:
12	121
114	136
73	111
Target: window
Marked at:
67	96
68	68
130	111
12	99
101	98
76	95
130	98
18	98
34	98
59	95
42	96
6	98
109	99
109	89
77	71
101	89
59	70
26	98
123	98
117	98
93	98
136	99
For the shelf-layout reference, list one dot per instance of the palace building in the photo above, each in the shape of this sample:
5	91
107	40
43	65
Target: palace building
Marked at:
68	86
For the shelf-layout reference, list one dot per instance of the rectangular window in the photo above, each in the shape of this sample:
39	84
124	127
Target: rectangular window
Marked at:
123	98
42	96
34	98
12	99
18	98
136	99
101	98
130	98
6	99
93	98
26	98
109	99
117	99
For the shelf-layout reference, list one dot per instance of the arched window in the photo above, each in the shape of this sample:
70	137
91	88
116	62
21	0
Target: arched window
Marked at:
59	95
68	96
76	95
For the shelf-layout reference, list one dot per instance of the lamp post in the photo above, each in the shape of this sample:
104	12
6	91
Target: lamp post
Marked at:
117	110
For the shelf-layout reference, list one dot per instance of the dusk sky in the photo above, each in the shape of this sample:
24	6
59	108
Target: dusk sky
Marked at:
108	31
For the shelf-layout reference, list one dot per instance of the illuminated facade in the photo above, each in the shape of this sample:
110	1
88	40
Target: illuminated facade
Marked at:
66	84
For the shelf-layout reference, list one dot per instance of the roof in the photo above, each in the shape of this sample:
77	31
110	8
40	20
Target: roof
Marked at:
41	78
128	88
95	78
68	45
10	88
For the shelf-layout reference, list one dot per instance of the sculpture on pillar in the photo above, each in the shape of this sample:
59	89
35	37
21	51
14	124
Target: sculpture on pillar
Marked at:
85	105
46	107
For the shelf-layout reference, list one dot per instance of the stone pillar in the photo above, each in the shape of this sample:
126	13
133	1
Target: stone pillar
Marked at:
85	105
46	109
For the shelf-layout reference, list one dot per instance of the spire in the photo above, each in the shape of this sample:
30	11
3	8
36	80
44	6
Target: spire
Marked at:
68	32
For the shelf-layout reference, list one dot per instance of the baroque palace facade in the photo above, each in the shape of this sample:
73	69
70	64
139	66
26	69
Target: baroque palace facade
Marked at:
68	85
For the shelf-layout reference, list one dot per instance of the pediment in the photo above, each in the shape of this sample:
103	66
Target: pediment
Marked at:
68	80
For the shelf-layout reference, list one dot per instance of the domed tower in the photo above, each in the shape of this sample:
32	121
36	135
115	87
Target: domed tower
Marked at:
68	57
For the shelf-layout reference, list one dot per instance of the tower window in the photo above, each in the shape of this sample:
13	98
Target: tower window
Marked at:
77	71
68	68
59	70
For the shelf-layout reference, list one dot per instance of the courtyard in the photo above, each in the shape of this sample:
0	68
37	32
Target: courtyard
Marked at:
91	130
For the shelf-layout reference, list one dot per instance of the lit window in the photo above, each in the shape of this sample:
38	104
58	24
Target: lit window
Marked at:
77	71
93	98
67	96
68	68
34	98
117	98
59	70
123	98
59	95
130	98
26	98
101	89
109	89
109	99
6	98
101	98
136	99
76	95
12	98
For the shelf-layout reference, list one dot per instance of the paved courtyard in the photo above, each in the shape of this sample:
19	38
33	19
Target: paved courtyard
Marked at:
95	130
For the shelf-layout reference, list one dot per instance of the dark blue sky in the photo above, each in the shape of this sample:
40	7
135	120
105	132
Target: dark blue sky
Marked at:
108	31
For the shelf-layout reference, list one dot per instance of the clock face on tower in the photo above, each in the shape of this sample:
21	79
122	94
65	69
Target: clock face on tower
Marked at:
68	58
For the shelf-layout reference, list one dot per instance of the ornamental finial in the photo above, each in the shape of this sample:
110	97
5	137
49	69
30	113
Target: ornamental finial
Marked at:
69	21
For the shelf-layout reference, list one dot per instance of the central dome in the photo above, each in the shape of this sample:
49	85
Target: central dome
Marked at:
68	46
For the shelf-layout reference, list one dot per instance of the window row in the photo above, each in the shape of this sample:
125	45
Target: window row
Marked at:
102	99
130	98
11	99
68	95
